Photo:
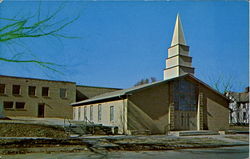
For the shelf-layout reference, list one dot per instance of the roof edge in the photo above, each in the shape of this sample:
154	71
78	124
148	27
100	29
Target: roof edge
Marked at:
99	100
30	78
97	87
126	92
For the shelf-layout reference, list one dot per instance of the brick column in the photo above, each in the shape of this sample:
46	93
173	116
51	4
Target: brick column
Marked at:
171	116
200	112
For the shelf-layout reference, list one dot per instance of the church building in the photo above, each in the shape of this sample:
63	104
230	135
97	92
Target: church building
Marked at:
179	102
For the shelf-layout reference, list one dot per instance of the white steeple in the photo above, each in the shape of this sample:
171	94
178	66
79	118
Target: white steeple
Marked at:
178	36
178	62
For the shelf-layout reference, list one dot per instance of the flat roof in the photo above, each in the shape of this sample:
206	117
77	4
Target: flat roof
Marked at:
15	77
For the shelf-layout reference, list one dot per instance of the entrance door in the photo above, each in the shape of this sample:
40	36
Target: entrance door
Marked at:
185	120
41	110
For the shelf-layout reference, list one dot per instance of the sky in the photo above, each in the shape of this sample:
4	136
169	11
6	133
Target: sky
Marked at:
121	42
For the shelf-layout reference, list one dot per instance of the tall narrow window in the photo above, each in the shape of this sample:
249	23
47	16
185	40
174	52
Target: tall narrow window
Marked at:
63	93
91	113
32	90
8	105
238	117
16	90
2	88
20	105
111	113
45	91
244	115
99	112
79	113
75	113
85	113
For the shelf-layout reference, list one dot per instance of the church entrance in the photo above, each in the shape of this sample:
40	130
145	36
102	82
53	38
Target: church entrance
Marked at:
185	105
185	120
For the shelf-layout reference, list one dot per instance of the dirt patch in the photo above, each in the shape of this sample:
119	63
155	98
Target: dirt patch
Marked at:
30	130
142	144
20	146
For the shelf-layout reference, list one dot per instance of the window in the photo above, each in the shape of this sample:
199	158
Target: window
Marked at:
244	116
184	95
63	93
79	113
99	112
2	88
8	105
85	113
75	113
111	113
32	90
244	106
45	91
91	113
20	105
16	90
238	117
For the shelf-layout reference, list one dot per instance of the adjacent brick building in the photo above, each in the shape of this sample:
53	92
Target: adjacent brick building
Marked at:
32	97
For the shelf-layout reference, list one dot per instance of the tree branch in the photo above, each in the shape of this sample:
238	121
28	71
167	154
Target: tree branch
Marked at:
43	64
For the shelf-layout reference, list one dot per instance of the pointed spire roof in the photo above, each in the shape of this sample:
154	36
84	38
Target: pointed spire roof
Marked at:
178	37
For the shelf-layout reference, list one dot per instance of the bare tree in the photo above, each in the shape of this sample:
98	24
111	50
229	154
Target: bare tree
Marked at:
153	79
146	81
32	27
222	83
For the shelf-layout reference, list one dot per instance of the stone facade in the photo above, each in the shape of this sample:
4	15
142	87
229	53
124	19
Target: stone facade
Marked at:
200	112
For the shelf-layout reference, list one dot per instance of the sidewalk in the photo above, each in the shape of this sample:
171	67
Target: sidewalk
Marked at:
98	144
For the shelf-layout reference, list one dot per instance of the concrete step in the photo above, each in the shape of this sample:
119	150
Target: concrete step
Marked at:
237	132
193	133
